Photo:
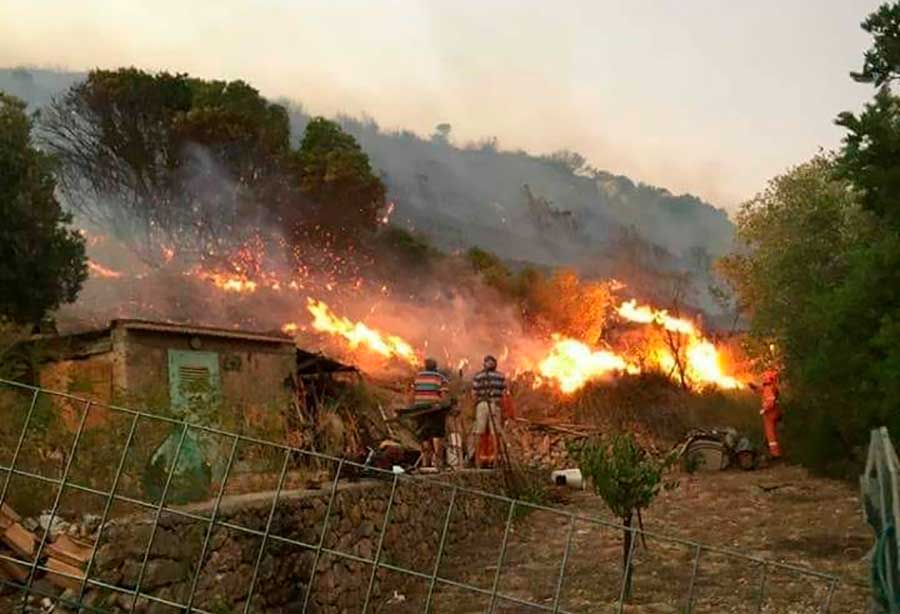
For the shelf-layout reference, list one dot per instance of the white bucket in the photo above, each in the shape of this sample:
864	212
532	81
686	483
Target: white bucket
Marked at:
568	477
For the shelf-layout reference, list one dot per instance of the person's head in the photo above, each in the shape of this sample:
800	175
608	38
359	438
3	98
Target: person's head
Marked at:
770	377
490	363
430	364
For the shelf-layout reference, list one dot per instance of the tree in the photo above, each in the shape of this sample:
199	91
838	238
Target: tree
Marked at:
336	175
627	479
819	274
42	262
166	159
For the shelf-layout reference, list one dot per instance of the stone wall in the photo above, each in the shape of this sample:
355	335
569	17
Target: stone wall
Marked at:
411	541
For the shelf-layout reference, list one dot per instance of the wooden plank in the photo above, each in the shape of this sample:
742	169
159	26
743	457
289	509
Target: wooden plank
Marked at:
19	539
8	516
70	550
18	572
57	579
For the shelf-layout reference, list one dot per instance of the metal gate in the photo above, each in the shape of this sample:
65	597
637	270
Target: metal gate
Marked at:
26	406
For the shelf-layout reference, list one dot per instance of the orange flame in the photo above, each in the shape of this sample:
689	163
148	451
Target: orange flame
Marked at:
645	314
702	360
358	334
571	364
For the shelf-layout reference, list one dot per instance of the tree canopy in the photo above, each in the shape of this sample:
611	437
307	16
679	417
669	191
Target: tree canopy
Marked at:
818	272
335	173
170	160
42	262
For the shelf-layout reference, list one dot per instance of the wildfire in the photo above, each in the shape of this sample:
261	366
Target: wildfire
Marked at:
99	270
699	361
571	364
358	334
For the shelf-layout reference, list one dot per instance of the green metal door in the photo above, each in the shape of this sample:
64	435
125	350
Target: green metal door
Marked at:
194	385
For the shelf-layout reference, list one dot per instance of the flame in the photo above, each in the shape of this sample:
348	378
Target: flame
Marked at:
290	328
358	334
101	271
572	364
645	314
702	362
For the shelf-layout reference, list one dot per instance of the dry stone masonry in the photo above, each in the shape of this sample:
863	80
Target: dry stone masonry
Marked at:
411	540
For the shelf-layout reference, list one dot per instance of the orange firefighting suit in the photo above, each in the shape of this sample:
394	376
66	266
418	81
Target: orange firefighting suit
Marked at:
771	412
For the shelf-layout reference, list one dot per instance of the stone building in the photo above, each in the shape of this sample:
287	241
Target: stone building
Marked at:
153	363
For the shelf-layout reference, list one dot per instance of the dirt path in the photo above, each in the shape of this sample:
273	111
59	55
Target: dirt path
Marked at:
779	514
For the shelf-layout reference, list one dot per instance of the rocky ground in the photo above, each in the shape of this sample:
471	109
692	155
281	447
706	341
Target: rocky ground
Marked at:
780	514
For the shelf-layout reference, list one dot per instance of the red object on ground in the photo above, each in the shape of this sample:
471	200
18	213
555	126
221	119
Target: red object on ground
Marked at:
487	448
507	408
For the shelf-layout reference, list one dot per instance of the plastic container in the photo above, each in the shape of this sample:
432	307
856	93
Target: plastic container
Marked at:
568	477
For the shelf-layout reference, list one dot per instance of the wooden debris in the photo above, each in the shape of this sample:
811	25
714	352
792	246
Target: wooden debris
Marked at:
64	581
17	572
69	550
19	539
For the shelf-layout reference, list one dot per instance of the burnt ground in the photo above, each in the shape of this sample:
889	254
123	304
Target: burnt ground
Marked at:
780	514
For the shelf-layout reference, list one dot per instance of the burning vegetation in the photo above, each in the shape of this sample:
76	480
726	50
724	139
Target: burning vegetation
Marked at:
597	336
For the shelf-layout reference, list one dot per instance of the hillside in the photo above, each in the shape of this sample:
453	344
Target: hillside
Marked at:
551	210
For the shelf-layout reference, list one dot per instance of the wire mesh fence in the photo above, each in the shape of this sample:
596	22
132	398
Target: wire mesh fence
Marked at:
102	459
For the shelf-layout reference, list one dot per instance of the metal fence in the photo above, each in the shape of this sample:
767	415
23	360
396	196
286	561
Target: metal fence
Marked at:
822	585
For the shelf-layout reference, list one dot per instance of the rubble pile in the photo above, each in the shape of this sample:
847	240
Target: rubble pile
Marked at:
63	558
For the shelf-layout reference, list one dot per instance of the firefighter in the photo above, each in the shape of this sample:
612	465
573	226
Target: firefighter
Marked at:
770	410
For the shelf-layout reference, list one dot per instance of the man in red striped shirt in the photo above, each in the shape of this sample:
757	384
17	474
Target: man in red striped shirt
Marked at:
430	393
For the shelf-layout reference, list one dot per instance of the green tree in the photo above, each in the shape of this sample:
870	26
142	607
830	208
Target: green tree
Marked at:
168	159
627	479
819	274
336	175
42	262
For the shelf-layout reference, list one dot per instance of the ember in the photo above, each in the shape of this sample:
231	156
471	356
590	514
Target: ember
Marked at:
99	270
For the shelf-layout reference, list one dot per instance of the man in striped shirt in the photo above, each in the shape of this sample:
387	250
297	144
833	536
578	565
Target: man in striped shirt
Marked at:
430	393
488	388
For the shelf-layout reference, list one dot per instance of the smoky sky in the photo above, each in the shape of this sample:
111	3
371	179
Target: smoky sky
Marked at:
709	97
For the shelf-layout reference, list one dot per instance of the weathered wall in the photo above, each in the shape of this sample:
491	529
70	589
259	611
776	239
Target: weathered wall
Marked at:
89	377
410	540
252	373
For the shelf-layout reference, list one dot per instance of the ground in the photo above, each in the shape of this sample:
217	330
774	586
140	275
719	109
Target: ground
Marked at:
780	514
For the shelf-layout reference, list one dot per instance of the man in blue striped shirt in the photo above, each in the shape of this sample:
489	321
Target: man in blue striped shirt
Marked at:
488	388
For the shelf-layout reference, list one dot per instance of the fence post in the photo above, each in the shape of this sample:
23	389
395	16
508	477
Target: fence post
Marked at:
212	526
440	551
15	456
265	537
761	591
384	524
315	565
55	508
107	508
562	567
159	509
625	576
509	519
689	606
